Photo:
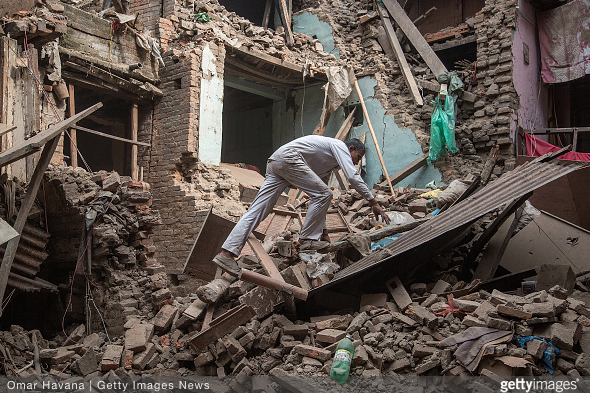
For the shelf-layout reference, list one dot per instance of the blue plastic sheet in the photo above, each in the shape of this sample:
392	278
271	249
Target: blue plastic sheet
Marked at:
549	353
385	241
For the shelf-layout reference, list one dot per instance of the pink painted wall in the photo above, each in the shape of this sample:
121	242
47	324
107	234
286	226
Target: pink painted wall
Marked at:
532	112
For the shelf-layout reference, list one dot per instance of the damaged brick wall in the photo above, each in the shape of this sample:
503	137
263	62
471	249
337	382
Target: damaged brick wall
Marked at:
183	188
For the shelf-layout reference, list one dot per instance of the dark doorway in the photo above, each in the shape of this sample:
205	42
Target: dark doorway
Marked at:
247	128
99	152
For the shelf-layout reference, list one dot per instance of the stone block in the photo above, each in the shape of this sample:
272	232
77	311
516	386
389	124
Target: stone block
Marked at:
111	357
536	348
135	339
545	309
164	318
297	331
312	352
360	356
470	320
512	312
141	359
422	315
330	336
87	364
583	364
466	305
563	336
427	365
421	351
441	287
111	182
204	358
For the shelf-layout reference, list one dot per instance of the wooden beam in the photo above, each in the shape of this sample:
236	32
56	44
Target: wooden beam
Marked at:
486	269
24	210
566	130
272	283
266	16
73	137
401	58
134	127
255	88
422	18
5	129
35	143
343	131
286	19
407	170
483	271
117	138
377	234
222	325
265	259
415	37
360	94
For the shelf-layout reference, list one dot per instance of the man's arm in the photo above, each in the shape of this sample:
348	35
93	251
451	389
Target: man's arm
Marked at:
356	181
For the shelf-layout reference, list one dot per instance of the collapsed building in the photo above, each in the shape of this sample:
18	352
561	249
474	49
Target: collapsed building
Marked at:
147	116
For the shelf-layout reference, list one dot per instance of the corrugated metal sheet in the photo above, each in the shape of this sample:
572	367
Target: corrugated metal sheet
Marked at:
30	284
27	261
507	188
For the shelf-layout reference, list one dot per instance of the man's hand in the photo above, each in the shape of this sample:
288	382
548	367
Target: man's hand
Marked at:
378	211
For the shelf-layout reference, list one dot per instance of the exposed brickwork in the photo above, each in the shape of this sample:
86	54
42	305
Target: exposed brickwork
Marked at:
183	188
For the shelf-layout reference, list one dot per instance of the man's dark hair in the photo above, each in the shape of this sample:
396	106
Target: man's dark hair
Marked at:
358	145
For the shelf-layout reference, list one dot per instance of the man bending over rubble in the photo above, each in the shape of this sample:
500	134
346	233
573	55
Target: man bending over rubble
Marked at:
305	163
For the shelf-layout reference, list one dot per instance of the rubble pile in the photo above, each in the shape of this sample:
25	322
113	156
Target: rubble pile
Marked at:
388	339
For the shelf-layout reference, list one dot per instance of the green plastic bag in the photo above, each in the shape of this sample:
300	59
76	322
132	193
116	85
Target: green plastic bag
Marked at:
442	129
202	17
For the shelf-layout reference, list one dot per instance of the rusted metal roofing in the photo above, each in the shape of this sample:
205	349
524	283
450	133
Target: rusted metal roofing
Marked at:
507	188
30	284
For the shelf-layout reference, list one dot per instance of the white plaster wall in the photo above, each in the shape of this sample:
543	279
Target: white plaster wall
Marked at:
210	111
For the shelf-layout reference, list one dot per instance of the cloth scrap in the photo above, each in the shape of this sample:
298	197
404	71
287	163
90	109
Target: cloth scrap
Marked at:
474	343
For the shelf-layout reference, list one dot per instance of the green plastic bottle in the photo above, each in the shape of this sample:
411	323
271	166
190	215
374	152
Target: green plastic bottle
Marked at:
342	360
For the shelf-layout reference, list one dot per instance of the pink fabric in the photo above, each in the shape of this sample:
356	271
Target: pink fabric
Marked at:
564	36
535	147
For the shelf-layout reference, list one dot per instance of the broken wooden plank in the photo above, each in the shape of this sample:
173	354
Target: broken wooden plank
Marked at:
422	18
483	270
35	143
415	37
401	58
222	325
264	258
286	20
195	310
5	128
271	283
343	131
376	235
266	16
399	293
360	95
90	131
486	269
407	170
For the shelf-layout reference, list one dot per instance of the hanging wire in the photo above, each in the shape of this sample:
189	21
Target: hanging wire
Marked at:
40	86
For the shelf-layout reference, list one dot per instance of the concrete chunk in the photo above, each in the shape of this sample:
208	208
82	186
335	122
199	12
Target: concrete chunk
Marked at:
135	339
545	309
512	312
330	336
164	318
141	359
111	357
441	287
312	352
563	336
422	315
